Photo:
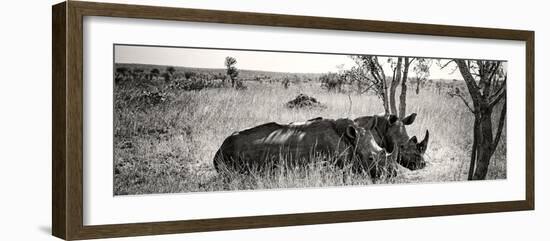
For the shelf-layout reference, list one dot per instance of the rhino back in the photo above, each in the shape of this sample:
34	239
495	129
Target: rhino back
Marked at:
294	142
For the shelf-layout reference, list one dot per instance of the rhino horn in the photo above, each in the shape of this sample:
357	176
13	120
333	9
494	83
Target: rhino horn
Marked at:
423	145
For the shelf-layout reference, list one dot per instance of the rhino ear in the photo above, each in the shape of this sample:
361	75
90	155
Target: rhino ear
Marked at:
392	119
414	140
351	132
409	119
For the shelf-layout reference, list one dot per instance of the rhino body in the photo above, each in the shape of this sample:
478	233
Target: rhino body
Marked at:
338	142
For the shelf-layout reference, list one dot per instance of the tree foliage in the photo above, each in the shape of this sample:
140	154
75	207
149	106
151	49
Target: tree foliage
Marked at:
231	70
422	72
369	74
332	81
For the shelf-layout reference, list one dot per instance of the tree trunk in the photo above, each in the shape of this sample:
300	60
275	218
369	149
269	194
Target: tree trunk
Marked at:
473	156
418	86
394	83
403	96
485	143
385	103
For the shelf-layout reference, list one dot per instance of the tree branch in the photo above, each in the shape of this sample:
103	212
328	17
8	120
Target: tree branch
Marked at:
473	156
501	121
470	81
380	69
495	98
446	64
463	100
492	69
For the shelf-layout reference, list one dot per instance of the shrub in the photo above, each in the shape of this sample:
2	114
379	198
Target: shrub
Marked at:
332	81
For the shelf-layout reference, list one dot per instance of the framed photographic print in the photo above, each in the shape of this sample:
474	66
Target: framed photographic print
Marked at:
171	120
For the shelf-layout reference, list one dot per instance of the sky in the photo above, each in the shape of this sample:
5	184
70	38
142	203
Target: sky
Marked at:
253	60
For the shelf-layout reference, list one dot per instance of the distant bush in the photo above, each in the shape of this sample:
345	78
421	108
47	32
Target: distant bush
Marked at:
154	73
240	85
122	74
190	74
141	100
171	70
195	84
332	81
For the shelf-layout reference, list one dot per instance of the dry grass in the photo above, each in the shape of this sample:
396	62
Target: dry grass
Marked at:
168	144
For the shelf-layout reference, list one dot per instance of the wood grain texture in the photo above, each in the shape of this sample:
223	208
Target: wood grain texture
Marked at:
67	123
59	193
530	120
74	121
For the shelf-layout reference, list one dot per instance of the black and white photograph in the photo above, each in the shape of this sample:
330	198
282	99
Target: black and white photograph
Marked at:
271	120
193	119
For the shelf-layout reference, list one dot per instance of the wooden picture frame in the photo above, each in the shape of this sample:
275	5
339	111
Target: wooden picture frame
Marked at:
67	123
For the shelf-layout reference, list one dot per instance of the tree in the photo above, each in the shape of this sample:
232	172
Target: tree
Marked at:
400	77
122	73
137	73
231	71
396	67
171	70
422	72
403	95
370	70
154	73
486	84
169	74
331	81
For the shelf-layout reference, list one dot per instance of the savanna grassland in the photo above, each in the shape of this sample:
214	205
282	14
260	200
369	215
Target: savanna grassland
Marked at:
166	136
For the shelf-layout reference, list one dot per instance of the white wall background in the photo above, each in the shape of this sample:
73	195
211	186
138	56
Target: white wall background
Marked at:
25	120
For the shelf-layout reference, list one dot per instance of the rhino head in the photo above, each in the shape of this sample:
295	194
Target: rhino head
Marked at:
411	153
390	133
370	156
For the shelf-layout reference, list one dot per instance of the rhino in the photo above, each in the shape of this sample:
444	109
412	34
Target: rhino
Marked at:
389	132
339	142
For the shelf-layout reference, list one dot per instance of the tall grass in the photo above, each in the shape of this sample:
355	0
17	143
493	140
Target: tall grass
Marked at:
168	144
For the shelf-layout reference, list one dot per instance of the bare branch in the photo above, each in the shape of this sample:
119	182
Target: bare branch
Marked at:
380	68
446	64
503	84
501	122
367	88
463	100
350	105
470	81
454	70
497	96
494	70
490	69
473	156
495	101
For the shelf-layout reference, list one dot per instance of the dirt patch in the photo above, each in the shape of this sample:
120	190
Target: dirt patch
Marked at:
304	101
